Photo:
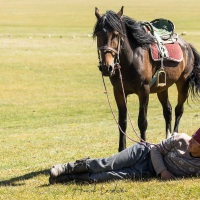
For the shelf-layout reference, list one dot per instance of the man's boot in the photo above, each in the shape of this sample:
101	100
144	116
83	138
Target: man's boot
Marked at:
80	166
69	177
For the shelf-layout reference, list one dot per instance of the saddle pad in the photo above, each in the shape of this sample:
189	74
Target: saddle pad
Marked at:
174	51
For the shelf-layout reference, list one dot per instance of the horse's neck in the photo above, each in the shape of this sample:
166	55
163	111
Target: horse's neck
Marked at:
126	53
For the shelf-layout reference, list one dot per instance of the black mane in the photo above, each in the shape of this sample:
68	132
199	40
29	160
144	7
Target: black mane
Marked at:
109	20
134	31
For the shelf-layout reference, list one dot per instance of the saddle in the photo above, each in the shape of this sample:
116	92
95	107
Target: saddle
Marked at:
165	48
164	29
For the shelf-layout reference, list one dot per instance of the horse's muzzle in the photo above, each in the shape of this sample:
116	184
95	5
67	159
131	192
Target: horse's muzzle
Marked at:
107	70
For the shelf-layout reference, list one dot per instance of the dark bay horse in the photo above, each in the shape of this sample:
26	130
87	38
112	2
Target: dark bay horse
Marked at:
122	39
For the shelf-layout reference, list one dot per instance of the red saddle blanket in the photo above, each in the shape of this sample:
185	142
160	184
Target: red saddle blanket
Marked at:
174	51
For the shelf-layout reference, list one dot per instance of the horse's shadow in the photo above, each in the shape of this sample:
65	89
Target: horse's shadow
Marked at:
16	180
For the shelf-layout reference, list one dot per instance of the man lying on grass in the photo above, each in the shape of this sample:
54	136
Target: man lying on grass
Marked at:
178	156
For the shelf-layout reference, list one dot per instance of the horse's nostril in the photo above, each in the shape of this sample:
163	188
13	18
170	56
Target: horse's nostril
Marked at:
110	68
107	70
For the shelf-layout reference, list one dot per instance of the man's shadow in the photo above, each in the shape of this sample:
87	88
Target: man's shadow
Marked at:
14	181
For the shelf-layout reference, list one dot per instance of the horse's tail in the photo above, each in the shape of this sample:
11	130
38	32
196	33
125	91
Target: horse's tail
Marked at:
194	78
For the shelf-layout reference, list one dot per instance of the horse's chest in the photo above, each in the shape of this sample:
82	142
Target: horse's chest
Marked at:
124	83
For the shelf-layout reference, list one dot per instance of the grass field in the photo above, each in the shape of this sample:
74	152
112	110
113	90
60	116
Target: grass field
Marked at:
52	102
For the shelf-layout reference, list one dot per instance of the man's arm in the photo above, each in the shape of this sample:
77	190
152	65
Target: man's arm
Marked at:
167	175
157	153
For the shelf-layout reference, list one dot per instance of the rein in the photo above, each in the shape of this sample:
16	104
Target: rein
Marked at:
121	81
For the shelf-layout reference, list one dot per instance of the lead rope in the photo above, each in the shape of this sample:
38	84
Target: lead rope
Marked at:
121	81
142	142
106	91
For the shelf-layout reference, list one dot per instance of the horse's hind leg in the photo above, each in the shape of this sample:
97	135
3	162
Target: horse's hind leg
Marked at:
142	117
167	110
182	88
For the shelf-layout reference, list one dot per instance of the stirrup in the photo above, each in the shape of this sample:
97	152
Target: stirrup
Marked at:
161	78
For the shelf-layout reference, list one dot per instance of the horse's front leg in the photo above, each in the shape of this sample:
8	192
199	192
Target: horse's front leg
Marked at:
143	96
122	120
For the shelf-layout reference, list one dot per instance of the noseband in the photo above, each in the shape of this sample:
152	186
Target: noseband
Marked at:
106	48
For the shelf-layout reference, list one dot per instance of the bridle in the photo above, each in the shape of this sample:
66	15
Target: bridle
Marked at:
106	49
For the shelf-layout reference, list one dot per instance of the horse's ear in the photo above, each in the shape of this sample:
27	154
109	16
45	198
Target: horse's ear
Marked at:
97	13
120	13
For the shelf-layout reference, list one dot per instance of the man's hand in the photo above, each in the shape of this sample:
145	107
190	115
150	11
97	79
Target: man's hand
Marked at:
166	175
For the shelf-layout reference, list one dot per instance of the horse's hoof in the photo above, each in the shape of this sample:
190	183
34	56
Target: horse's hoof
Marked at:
169	135
174	133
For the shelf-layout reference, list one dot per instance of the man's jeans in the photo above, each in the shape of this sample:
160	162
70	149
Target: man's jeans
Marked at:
133	162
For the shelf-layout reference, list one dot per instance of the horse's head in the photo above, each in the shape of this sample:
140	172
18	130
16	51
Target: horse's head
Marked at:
109	32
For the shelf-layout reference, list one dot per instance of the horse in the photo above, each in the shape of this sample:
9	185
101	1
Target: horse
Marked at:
123	46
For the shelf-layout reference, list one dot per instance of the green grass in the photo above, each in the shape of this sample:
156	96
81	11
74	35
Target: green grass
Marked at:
52	102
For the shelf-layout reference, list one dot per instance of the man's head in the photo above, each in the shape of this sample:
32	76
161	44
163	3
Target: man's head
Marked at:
196	136
194	144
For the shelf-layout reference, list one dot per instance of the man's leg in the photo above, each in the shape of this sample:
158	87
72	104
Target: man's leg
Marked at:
124	159
79	166
127	158
141	169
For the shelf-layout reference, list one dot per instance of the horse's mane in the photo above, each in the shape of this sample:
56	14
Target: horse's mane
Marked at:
136	33
134	30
